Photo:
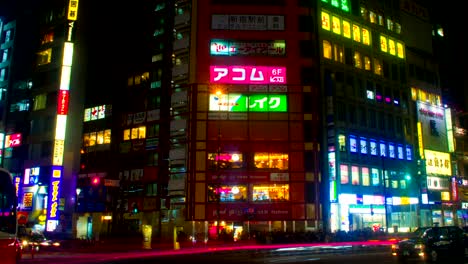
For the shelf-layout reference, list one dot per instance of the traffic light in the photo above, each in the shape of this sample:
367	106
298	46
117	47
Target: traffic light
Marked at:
135	208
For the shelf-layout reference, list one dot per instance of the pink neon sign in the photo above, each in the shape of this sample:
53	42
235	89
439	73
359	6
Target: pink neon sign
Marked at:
248	74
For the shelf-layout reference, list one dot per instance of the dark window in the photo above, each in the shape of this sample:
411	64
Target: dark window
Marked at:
372	118
46	149
308	75
309	161
310	192
306	3
308	132
394	72
381	121
308	100
341	111
363	117
386	70
402	74
307	48
306	24
349	57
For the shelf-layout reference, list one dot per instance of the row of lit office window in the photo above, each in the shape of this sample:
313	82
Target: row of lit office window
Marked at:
356	175
240	193
236	160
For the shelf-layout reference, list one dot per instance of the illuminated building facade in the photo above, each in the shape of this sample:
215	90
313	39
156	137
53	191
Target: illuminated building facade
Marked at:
369	148
243	123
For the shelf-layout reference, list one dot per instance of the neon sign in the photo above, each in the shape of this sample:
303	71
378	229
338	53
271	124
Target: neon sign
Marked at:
249	103
247	48
13	140
247	74
62	106
53	198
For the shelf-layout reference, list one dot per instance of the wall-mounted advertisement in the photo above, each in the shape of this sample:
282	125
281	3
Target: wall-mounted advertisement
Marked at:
53	198
13	140
247	22
437	163
221	47
249	103
433	126
247	74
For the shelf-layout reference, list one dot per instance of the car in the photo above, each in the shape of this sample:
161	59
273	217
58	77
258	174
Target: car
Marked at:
432	244
36	241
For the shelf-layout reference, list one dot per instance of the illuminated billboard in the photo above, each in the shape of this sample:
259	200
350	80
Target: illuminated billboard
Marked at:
221	47
247	75
53	198
438	163
249	103
433	126
13	140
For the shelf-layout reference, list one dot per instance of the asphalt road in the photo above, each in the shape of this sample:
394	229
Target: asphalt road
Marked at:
319	255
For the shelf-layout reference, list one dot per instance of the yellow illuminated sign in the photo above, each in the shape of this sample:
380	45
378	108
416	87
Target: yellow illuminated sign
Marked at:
438	162
420	140
54	199
58	152
72	10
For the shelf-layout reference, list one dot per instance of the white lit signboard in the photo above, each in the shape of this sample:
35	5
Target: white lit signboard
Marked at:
438	163
220	47
247	22
249	103
242	74
352	144
391	150
433	126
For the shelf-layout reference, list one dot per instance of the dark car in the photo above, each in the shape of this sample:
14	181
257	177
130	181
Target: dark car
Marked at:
431	244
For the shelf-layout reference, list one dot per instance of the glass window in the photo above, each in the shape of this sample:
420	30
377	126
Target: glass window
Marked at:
227	160
44	57
100	137
265	160
400	50
402	184
356	33
383	44
366	37
373	147
357	60
227	193
325	21
391	150
381	20
367	63
134	133
92	139
339	53
40	102
389	24
363	145
354	175
365	176
267	193
397	28
86	139
344	174
372	17
107	136
383	149
346	29
375	177
126	134
377	67
336	24
391	47
142	132
327	49
353	144
342	142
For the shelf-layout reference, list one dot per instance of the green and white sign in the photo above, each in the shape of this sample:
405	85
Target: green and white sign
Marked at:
249	103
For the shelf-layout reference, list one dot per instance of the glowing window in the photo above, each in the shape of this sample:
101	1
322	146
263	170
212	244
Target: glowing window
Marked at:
354	175
366	37
344	174
397	28
335	3
126	134
227	193
367	63
342	142
44	57
357	60
383	44
383	149
346	29
86	139
40	102
92	139
353	144
400	50
373	147
142	132
365	176
327	49
356	33
107	136
381	20
389	24
47	38
265	160
325	21
363	145
377	67
270	192
100	138
372	17
227	160
134	133
339	53
336	25
391	47
375	177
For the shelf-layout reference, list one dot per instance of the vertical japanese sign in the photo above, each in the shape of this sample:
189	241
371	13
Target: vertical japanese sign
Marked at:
53	198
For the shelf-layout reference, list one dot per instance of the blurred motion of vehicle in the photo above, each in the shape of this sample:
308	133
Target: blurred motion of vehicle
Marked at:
37	241
10	248
432	244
